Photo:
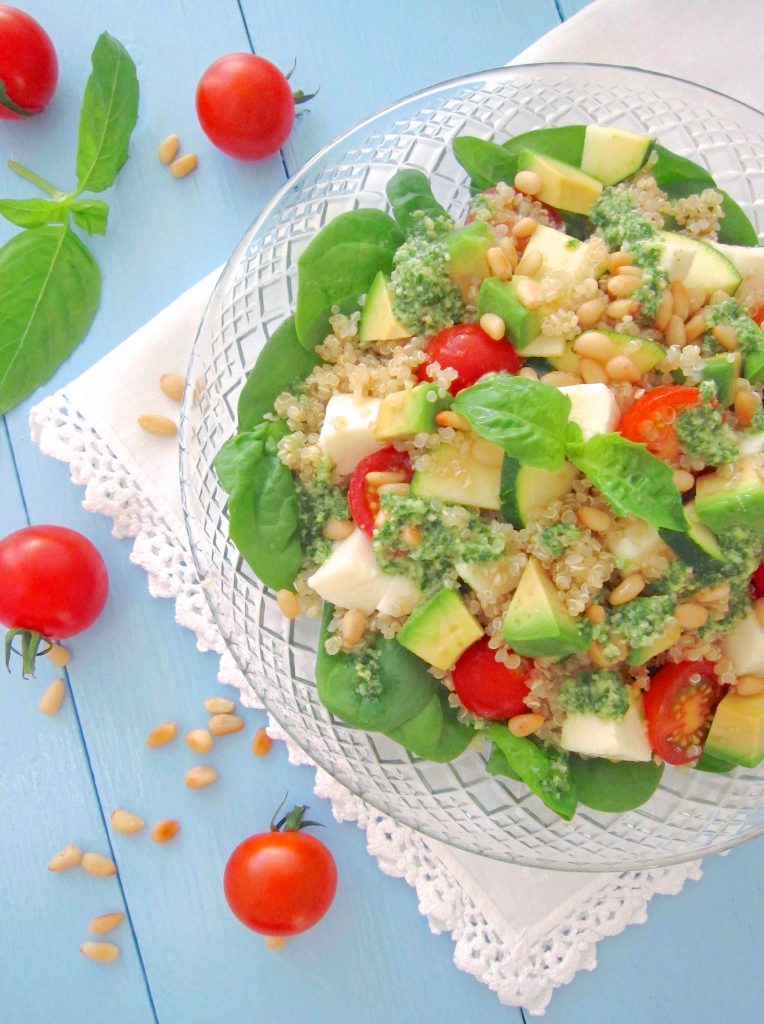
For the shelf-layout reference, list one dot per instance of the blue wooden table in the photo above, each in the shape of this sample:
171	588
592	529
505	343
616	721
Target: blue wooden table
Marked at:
184	957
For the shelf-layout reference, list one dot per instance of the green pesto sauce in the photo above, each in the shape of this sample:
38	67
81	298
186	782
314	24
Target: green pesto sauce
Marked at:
558	538
441	547
425	299
557	779
704	434
732	314
318	503
599	693
622	225
366	665
638	624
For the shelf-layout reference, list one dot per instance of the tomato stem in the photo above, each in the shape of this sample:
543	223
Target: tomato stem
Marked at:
30	649
293	821
8	103
35	179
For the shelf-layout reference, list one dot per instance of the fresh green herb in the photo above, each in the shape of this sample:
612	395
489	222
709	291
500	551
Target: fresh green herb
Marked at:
411	199
556	539
425	298
704	433
600	693
544	769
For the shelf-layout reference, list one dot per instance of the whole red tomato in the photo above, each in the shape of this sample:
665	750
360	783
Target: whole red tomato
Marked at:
281	882
54	584
467	349
246	106
28	65
488	688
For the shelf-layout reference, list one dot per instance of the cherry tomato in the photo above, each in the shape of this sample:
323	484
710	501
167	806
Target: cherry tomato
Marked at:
758	580
281	882
363	500
651	418
758	315
467	349
679	706
28	65
245	106
488	688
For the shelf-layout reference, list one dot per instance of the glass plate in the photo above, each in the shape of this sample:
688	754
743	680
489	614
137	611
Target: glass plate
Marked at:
692	813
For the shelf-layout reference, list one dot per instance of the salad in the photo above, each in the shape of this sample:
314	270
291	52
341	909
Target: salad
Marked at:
515	462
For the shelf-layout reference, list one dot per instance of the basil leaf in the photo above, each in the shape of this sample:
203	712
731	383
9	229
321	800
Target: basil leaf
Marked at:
410	195
33	213
91	215
631	479
543	770
50	287
527	418
338	267
486	162
108	115
282	362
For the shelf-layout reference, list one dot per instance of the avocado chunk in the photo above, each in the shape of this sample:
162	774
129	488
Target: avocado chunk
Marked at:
563	186
645	354
641	655
378	322
500	297
737	500
440	630
612	154
453	475
722	369
698	547
467	248
410	412
537	624
709	268
737	731
526	490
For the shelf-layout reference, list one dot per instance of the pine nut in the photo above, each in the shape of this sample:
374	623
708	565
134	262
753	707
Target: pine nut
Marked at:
200	775
199	740
402	489
377	477
619	259
749	686
631	272
224	725
588	289
289	604
595	345
530	264
59	655
168	149
525	725
126	823
262	743
675	333
665	310
720	592
98	865
103	952
219	706
596	654
596	614
622	368
690	615
684	480
172	384
560	379
726	336
446	418
694	327
353	627
499	263
51	701
696	298
411	535
509	249
337	529
105	923
718	296
529	293
622	286
485	453
621	308
65	859
592	372
681	300
493	326
165	830
528	182
594	519
528	372
524	227
759	610
158	425
275	941
628	589
183	165
164	733
590	312
745	404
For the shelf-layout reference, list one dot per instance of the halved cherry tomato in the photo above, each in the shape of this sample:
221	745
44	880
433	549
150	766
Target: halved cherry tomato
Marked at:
467	349
758	315
486	687
363	500
679	706
650	420
758	580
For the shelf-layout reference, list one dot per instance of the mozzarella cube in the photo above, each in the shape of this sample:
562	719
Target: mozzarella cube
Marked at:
401	597
593	408
347	434
623	739
676	260
350	577
744	646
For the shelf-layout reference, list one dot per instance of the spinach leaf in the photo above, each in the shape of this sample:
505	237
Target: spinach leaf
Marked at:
709	763
487	163
33	213
282	362
631	479
565	142
525	417
614	786
338	267
410	195
50	287
497	764
91	215
544	770
435	733
108	115
236	462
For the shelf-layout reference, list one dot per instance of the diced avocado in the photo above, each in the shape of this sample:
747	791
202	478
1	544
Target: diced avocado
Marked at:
737	731
753	362
500	297
440	630
709	269
525	490
698	547
723	501
645	354
632	542
744	646
453	475
537	624
563	186
544	347
405	413
612	154
641	655
722	369
378	322
467	246
623	739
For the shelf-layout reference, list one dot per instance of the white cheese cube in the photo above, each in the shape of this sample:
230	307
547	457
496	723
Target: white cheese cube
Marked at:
347	434
676	260
744	646
623	739
350	577
593	408
401	597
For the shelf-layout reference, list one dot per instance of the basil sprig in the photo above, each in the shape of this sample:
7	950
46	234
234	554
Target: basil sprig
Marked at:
49	281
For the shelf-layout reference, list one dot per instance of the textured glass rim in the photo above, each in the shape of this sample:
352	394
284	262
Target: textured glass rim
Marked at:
188	495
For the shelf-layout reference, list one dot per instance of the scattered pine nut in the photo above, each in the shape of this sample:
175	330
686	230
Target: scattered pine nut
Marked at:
66	859
592	372
338	529
59	655
529	293
590	312
104	952
665	309
289	603
98	865
51	701
486	453
726	336
622	286
126	823
219	706
560	379
224	725
745	404
528	372
620	308
164	733
595	519
172	384
200	775
275	941
595	345
160	426
628	589
105	923
619	259
183	165
681	300
622	368
684	480
525	725
411	535
262	743
676	333
595	613
690	615
199	740
493	326
165	830
168	149
524	227
695	327
499	263
353	626
447	418
528	182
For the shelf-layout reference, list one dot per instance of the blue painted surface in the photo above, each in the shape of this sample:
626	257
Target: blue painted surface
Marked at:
184	958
